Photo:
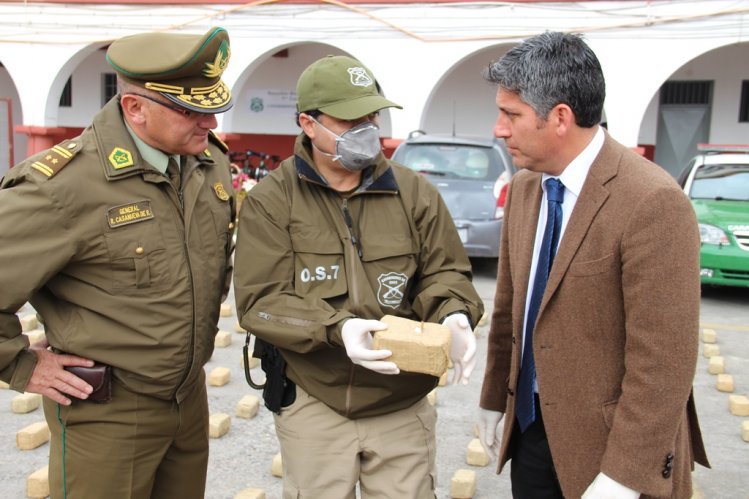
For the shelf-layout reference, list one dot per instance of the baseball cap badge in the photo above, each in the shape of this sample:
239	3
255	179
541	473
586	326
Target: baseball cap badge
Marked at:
359	77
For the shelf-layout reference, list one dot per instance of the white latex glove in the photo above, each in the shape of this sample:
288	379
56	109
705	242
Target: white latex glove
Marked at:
488	426
462	347
357	339
604	487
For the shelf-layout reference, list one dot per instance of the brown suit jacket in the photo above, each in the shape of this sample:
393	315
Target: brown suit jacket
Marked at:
616	337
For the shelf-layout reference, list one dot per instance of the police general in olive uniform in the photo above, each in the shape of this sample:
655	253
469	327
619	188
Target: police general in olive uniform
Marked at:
121	239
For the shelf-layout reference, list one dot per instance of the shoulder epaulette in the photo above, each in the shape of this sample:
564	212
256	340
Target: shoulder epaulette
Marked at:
219	143
53	160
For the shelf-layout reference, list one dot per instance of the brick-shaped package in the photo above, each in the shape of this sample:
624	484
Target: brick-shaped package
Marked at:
421	347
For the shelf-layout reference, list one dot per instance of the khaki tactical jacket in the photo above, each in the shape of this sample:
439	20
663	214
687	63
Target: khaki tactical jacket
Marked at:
120	269
309	258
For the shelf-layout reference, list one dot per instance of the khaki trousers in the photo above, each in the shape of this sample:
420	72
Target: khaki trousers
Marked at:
324	454
135	447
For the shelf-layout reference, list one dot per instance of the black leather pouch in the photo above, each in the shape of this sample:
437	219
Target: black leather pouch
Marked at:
99	377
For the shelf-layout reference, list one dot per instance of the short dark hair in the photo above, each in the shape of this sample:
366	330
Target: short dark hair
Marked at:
313	113
554	68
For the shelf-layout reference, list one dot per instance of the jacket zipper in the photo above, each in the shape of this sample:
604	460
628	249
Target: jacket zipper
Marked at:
354	247
350	224
186	248
284	319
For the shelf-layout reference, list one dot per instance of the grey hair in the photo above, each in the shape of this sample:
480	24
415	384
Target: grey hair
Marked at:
553	68
124	87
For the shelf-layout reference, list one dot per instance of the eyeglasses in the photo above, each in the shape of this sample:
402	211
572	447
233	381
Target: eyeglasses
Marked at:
181	110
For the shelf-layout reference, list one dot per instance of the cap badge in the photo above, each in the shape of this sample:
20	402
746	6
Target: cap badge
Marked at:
359	77
218	188
120	158
216	68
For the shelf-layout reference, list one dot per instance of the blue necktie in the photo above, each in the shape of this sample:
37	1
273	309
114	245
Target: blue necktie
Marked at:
525	409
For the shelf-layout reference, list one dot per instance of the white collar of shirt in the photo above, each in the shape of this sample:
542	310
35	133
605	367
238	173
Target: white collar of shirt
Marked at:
573	177
158	159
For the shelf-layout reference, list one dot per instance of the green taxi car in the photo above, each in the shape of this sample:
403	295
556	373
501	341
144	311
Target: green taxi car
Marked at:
717	183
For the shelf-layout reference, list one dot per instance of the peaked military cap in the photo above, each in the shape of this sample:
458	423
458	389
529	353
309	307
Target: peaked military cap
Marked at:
340	87
186	69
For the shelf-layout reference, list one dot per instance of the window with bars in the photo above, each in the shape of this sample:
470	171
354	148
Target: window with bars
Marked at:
109	87
744	106
686	92
66	98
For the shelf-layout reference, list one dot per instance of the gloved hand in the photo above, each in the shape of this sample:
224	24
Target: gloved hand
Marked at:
604	487
462	347
488	426
357	339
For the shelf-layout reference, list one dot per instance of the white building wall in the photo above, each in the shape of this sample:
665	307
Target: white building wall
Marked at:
728	66
8	90
426	57
88	87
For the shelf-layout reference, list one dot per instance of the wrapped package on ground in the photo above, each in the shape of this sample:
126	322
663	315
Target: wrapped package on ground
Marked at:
421	347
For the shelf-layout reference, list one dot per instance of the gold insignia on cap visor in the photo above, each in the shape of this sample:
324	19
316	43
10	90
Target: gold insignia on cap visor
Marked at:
208	99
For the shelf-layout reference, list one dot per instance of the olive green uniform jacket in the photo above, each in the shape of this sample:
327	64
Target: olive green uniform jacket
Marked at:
98	242
308	259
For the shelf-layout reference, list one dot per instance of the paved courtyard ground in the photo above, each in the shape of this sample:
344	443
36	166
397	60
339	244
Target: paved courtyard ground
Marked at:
242	458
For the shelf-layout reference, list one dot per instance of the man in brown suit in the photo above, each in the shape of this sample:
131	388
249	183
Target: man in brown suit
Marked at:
592	348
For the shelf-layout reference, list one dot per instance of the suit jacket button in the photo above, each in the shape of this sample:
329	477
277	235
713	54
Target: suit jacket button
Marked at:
513	340
666	473
510	392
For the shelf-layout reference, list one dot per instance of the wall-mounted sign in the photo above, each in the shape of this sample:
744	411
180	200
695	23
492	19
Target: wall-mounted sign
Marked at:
273	100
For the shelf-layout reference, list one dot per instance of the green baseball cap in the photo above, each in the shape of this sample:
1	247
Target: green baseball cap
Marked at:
186	69
340	87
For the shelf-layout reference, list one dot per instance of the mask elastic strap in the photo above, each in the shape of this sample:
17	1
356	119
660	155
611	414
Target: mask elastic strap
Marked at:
335	157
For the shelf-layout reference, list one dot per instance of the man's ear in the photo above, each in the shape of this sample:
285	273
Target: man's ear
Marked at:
132	108
563	118
307	124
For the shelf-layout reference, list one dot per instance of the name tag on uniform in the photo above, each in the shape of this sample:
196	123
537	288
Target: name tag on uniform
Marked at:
130	213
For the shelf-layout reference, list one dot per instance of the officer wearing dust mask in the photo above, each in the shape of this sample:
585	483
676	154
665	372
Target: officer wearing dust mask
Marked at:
335	238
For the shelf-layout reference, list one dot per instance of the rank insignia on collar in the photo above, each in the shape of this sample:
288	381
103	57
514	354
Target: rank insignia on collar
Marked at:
221	193
120	158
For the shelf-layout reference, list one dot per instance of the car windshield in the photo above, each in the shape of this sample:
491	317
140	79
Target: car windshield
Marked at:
453	161
721	182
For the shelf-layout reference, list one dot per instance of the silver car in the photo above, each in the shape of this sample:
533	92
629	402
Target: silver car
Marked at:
472	176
